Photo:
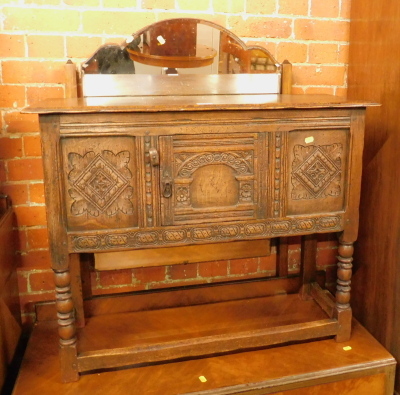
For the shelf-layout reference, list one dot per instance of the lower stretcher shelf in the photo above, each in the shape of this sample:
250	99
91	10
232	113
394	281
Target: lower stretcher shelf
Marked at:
200	330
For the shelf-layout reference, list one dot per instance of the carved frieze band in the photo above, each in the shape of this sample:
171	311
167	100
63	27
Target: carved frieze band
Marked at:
100	183
316	171
202	234
241	162
207	125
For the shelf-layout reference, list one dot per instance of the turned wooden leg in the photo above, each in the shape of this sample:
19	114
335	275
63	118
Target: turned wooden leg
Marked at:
66	326
76	289
344	271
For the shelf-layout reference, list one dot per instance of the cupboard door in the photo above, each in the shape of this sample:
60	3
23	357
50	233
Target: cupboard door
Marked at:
317	161
100	189
213	178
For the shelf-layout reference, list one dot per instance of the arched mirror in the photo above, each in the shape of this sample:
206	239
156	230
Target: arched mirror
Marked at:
181	46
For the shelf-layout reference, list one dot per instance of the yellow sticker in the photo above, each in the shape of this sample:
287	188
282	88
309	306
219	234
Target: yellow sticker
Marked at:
161	40
309	140
202	379
347	348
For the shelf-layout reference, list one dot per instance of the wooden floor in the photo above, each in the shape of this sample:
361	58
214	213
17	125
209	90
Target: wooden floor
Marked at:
362	365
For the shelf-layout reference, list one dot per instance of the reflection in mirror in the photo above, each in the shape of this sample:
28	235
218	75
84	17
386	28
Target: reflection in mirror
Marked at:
181	46
109	59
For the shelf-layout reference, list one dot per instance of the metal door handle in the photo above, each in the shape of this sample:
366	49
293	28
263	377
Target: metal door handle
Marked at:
167	187
154	157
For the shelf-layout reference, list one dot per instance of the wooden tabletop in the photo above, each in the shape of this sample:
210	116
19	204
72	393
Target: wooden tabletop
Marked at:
190	103
271	370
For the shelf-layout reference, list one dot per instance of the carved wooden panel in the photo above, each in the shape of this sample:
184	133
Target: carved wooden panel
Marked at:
99	181
278	143
211	178
203	233
317	161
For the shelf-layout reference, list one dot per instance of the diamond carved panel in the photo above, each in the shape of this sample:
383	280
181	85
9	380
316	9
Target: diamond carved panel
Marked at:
100	183
317	171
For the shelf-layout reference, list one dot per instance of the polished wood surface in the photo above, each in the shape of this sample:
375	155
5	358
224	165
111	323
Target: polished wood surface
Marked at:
319	367
374	73
187	332
202	320
192	103
375	384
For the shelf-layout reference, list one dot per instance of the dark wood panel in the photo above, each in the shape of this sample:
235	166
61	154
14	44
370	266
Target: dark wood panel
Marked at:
374	74
7	243
10	319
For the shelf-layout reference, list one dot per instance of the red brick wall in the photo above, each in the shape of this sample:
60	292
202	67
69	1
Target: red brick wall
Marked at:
38	36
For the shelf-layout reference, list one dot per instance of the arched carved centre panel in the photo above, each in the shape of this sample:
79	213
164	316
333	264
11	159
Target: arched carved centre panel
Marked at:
213	178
